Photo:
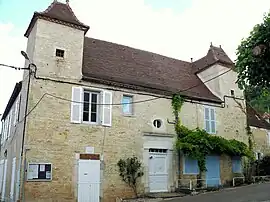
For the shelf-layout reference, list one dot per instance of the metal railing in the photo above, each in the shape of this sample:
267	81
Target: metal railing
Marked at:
192	184
261	178
236	178
185	184
254	179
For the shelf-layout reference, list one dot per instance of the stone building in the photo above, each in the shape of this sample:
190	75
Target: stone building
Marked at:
260	129
86	103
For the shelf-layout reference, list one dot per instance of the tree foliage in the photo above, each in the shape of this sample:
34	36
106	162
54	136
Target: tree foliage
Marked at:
253	57
130	170
197	144
258	98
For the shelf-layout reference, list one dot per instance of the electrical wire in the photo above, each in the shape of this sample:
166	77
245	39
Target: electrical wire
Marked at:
135	102
13	67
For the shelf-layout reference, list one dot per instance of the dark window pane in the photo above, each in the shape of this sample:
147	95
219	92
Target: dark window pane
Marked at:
86	107
86	97
94	98
59	53
93	108
93	117
85	116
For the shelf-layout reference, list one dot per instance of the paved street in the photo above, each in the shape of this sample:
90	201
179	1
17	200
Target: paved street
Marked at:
251	193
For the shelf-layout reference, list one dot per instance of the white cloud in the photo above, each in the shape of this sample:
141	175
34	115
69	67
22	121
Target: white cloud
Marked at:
11	43
181	35
133	23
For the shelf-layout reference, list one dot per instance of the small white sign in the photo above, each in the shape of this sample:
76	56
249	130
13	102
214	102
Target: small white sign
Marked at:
33	171
48	175
89	150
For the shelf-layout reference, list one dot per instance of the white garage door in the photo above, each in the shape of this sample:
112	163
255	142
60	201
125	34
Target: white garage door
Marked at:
158	170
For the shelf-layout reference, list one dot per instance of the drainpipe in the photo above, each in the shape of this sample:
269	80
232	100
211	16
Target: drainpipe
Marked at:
23	135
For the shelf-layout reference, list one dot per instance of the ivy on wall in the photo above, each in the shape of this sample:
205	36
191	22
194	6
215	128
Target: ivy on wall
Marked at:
197	143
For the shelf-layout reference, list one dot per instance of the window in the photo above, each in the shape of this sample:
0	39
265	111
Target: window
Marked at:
210	120
232	93
152	150
39	171
258	155
236	164
59	53
157	123
90	106
127	104
190	166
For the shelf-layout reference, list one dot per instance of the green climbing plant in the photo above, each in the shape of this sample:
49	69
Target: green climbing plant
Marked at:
197	143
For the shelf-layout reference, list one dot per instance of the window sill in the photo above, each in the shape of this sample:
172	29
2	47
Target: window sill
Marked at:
59	58
39	180
190	173
129	115
91	123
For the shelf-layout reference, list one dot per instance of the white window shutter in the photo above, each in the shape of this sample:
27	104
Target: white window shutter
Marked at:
15	112
207	119
10	123
213	120
107	108
76	105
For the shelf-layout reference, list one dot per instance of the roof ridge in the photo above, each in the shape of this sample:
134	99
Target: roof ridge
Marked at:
138	49
70	9
213	52
49	7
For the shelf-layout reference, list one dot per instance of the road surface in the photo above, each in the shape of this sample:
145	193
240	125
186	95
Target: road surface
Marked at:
250	193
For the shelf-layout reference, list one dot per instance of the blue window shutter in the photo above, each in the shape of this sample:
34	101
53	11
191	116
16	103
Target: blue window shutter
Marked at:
190	166
236	164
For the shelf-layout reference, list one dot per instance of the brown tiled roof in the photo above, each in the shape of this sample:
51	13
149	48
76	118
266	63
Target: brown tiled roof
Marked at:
116	64
214	55
60	13
255	119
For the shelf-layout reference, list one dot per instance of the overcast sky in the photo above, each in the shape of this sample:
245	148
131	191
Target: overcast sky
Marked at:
175	28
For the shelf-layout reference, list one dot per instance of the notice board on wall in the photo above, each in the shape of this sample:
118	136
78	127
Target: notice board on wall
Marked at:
39	172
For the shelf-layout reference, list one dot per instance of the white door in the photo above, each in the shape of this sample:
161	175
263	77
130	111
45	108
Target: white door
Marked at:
4	180
13	178
158	170
88	181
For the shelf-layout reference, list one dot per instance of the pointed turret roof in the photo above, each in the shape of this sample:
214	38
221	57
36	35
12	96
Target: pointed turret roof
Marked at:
59	13
214	55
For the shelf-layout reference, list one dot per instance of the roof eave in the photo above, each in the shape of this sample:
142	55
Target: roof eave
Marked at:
37	15
148	89
223	63
13	97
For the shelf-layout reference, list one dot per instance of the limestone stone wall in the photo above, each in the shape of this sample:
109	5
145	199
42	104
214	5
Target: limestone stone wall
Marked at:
261	140
52	138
